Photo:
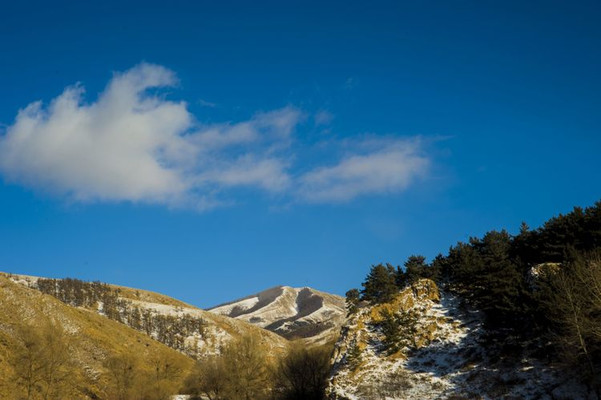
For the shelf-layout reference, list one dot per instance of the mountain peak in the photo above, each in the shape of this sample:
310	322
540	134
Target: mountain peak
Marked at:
290	312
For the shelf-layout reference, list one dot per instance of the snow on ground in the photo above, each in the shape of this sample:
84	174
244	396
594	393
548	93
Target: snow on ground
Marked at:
210	342
454	364
241	305
164	309
401	377
290	311
25	280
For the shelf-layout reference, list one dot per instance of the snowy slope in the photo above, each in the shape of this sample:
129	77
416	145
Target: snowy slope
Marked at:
448	357
290	312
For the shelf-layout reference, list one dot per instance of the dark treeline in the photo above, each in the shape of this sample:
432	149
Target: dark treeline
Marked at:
542	284
167	329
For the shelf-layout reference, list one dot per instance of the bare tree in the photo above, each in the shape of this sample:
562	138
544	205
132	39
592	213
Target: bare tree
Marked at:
240	372
42	362
573	302
123	376
302	373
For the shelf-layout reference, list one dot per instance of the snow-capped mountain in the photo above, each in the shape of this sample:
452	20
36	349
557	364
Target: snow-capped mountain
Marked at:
290	312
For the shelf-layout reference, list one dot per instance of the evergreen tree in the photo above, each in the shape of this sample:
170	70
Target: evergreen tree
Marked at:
380	284
354	357
352	300
415	268
399	329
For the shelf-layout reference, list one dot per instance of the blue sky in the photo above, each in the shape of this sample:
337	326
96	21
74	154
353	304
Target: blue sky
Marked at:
209	150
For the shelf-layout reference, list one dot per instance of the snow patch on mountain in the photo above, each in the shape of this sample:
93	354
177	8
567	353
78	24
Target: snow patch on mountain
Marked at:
290	312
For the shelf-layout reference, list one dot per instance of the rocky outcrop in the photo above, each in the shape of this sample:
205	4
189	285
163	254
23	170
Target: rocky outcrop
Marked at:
426	344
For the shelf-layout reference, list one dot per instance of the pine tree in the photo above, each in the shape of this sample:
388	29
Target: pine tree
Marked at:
399	329
380	284
415	268
352	300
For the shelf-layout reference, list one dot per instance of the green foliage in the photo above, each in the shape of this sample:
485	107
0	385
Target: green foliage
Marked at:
493	273
580	229
399	330
352	300
484	272
354	357
380	285
414	269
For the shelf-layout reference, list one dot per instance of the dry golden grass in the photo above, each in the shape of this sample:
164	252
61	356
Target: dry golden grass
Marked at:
93	338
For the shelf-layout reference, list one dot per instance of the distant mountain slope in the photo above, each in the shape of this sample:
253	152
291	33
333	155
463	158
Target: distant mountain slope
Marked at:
183	327
290	312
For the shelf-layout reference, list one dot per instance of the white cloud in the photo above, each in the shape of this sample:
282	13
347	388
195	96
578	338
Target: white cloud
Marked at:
125	146
131	144
272	127
268	174
386	166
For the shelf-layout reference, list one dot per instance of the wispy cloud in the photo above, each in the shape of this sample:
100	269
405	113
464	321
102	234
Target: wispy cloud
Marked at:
132	144
376	167
206	103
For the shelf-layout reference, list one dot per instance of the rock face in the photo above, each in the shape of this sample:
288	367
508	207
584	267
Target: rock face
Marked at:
426	345
542	271
303	313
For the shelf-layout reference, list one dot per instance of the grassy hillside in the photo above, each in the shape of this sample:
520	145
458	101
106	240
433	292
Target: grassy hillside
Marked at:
92	342
186	328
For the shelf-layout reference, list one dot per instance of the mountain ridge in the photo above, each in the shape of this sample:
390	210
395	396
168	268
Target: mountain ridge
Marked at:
294	313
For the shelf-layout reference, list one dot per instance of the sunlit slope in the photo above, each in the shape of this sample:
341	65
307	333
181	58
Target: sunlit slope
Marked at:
92	341
186	328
